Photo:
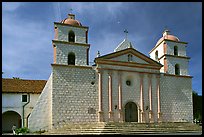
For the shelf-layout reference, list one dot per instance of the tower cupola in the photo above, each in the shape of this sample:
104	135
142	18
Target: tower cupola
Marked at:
70	20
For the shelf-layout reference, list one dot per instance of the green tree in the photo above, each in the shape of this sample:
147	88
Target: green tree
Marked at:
197	106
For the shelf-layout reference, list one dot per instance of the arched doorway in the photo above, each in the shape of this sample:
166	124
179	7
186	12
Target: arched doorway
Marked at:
10	118
131	112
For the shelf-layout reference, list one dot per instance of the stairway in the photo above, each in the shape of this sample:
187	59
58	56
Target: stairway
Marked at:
126	128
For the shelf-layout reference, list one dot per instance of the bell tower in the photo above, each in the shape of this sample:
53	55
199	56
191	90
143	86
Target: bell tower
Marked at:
171	53
70	43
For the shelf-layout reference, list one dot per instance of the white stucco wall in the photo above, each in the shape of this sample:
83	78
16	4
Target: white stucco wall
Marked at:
41	115
13	102
160	50
129	93
125	59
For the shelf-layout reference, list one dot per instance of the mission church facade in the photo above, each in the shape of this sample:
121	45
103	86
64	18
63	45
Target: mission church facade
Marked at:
123	86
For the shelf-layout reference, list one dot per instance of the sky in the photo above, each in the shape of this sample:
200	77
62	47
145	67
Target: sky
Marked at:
28	31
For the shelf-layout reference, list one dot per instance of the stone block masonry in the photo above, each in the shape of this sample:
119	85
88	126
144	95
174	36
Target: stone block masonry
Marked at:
176	99
74	96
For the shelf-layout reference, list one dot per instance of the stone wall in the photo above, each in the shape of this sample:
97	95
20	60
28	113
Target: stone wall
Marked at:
40	118
176	99
183	65
181	48
80	54
80	33
75	95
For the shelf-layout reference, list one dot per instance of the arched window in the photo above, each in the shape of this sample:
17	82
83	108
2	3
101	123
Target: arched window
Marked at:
176	50
177	69
71	36
156	55
71	58
129	57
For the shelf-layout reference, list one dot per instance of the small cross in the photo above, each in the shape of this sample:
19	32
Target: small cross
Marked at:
126	32
165	28
71	10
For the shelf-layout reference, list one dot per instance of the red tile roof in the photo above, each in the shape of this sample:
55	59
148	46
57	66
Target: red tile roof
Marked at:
22	86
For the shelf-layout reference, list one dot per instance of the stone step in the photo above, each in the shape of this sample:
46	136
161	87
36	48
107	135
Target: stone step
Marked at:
125	128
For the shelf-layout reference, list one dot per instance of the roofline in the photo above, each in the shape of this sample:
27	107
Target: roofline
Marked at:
23	92
167	40
24	79
71	43
184	76
71	66
129	49
58	23
128	64
167	55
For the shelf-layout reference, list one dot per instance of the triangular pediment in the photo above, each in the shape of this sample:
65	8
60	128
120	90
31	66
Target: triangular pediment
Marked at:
128	56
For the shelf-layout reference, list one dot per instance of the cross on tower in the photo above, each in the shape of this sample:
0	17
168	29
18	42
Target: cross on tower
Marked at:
126	32
71	10
165	28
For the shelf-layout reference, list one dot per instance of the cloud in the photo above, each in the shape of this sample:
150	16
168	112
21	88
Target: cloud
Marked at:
57	11
26	44
26	35
11	6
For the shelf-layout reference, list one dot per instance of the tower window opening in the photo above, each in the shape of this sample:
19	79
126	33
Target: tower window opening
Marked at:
156	55
176	50
71	58
71	36
129	57
177	69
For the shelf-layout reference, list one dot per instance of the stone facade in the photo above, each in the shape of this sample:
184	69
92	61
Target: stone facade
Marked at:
41	116
124	86
74	95
176	99
63	51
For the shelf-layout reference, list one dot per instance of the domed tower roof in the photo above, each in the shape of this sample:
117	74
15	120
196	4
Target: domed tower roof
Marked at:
70	20
167	36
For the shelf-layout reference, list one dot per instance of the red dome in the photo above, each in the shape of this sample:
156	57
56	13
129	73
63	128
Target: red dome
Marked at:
71	20
168	37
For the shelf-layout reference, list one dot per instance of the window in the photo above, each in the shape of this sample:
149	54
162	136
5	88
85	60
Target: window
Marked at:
71	58
176	50
156	55
129	57
71	36
177	69
24	98
128	82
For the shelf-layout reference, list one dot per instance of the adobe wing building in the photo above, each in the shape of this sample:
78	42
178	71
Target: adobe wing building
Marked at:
123	86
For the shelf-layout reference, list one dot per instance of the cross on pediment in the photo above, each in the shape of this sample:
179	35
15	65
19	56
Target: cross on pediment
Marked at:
126	32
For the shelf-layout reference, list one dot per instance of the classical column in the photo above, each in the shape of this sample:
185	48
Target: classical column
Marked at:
150	99
158	99
110	96
100	111
120	116
142	113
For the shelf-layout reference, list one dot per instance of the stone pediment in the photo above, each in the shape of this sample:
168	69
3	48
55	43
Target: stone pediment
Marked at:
129	57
